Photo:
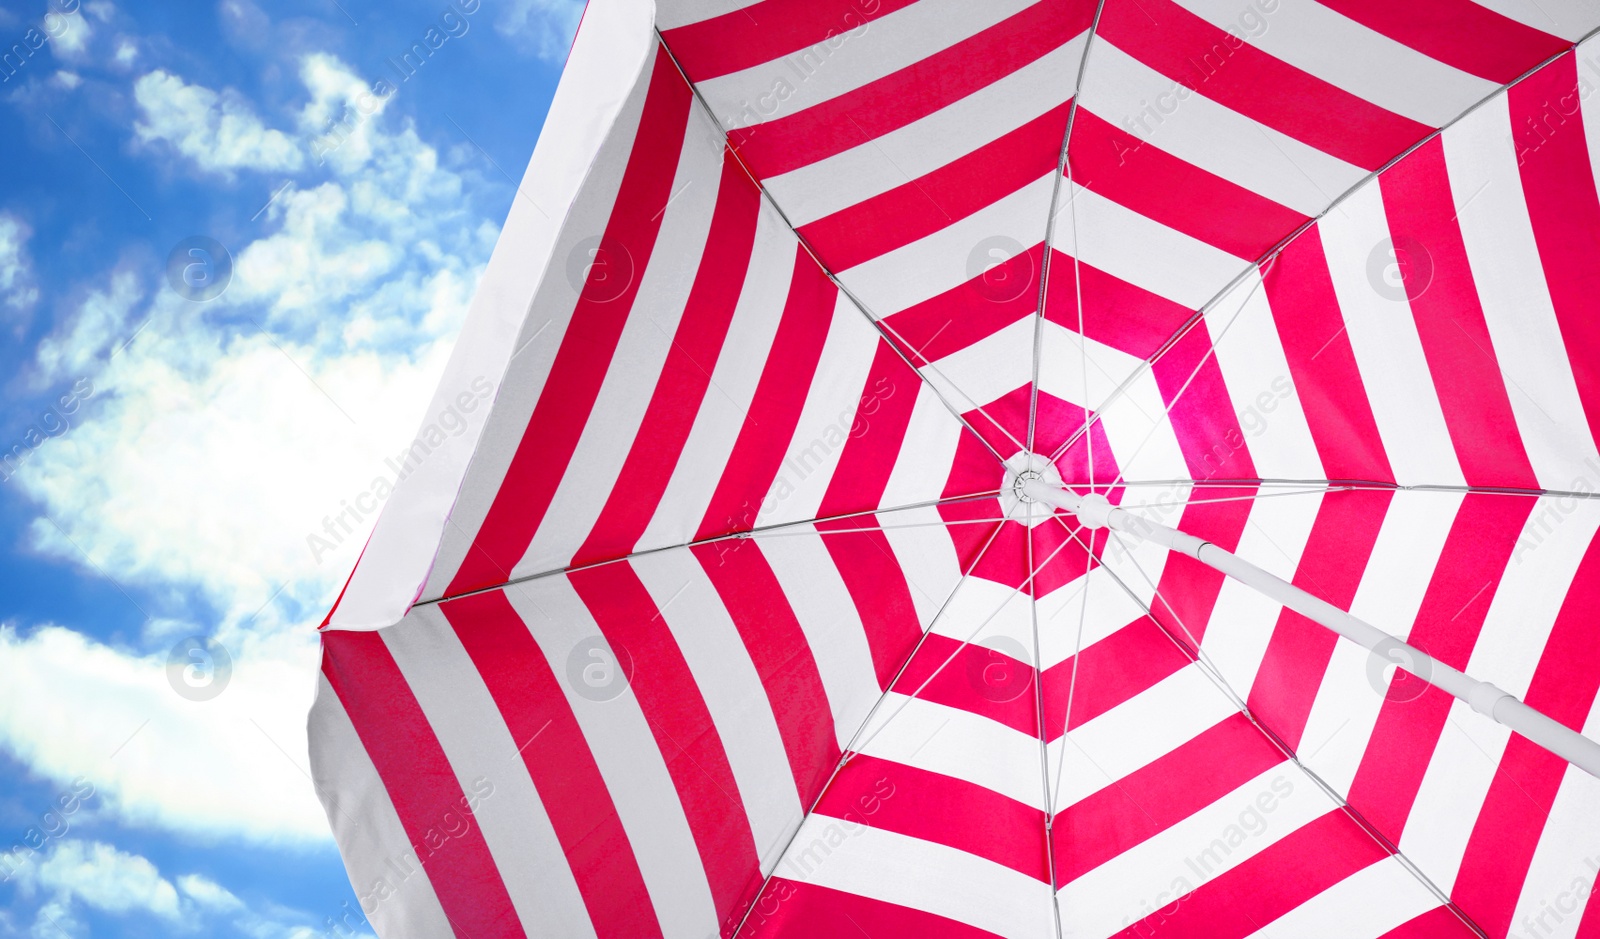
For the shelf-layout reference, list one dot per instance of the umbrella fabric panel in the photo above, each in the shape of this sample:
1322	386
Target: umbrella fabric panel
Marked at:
629	745
688	369
738	387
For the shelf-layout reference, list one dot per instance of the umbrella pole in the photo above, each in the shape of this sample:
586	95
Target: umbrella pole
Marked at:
1094	511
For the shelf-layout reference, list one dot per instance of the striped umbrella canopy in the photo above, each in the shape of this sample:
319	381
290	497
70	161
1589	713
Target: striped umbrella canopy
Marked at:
1026	469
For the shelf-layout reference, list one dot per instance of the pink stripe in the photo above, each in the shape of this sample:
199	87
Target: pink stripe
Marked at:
671	704
1143	177
686	374
574	794
977	679
764	31
782	656
1464	582
1152	799
1115	312
775	410
1110	672
878	587
1268	885
1203	414
1450	322
970	313
1219	65
586	350
792	908
1589	926
1437	923
872	110
941	809
1517	808
932	202
1558	183
1331	566
876	435
421	783
1460	33
1323	364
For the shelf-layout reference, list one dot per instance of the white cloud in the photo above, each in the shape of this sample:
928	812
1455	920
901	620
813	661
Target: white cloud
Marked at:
208	894
217	130
68	80
102	877
541	27
126	52
232	766
69	39
102	321
17	287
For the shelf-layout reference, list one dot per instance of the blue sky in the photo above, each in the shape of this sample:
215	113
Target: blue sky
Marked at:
170	453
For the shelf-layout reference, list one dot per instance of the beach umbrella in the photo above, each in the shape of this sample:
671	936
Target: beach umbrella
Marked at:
1053	469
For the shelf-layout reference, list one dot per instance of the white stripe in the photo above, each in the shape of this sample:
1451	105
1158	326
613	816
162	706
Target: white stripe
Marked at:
1153	874
1136	424
733	386
1566	863
480	749
926	556
956	743
857	56
630	763
635	368
1141	251
1507	653
1569	19
823	430
1261	387
1391	591
1199	131
391	885
950	256
1446	808
983	612
977	374
927	876
1509	275
674	13
534	351
1370	902
1243	620
1136	733
917	149
732	690
1362	61
1388	351
822	604
1110	609
928	451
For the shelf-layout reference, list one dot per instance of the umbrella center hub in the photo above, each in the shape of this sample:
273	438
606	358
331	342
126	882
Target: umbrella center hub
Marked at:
1021	469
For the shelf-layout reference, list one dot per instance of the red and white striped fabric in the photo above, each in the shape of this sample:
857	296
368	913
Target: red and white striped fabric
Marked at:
720	617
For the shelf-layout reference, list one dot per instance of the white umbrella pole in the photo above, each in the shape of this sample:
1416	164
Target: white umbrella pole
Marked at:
1094	511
